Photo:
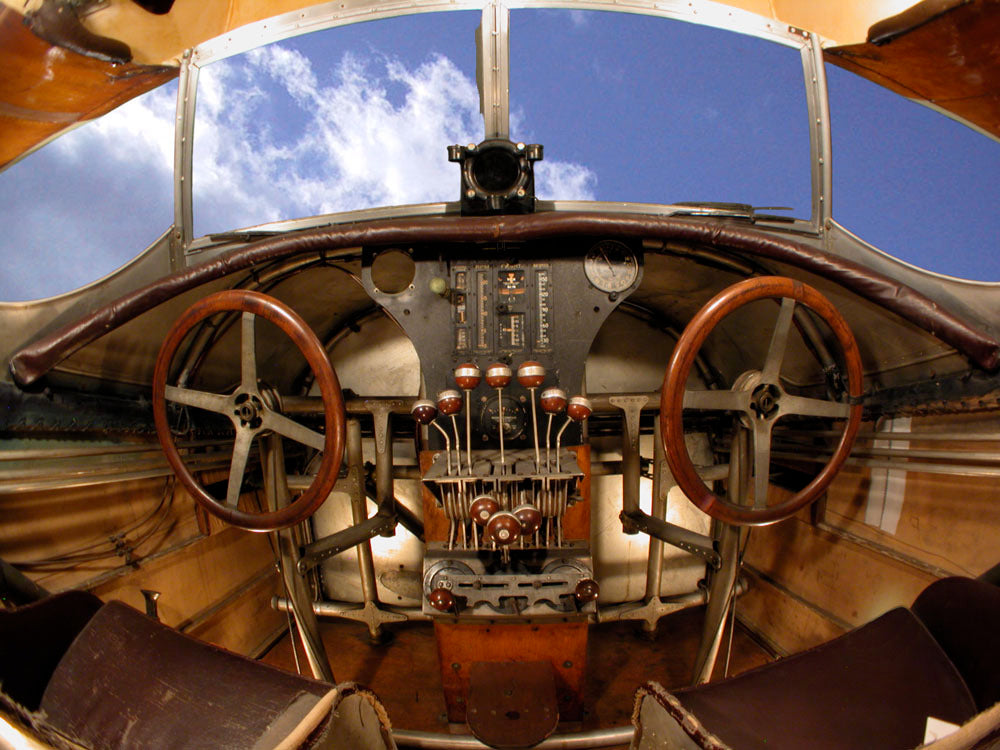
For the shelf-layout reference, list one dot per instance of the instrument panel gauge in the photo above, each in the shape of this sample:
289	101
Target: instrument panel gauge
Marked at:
611	266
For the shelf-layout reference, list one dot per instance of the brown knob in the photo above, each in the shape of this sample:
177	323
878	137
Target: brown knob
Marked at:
442	600
530	518
553	400
530	374
424	410
482	508
467	376
587	590
579	408
449	402
503	528
498	375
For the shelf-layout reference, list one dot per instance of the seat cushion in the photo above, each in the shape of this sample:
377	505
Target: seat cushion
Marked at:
33	639
963	615
128	681
872	687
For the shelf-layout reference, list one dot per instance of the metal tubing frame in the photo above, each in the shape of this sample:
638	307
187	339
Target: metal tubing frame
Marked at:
722	588
658	510
596	738
288	552
329	546
359	512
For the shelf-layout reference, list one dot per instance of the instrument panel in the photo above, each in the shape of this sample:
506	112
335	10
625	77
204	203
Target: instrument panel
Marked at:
507	304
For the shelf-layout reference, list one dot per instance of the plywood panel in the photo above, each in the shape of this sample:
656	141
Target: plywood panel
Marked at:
87	523
950	522
43	89
244	622
786	623
851	582
192	579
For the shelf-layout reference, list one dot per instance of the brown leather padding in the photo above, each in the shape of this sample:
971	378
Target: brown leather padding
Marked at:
963	615
37	358
128	681
871	688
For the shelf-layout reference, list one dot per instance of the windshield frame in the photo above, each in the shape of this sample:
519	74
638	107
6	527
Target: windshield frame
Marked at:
494	75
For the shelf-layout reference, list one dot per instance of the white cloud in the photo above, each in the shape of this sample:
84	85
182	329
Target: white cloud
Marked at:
564	181
354	145
140	133
277	136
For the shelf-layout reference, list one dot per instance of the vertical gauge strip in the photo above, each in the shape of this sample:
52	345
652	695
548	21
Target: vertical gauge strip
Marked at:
513	303
543	315
460	306
484	315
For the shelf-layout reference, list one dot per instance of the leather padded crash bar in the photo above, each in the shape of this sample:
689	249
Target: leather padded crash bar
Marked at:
38	357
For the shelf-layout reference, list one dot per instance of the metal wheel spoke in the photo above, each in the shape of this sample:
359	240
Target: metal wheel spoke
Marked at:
779	341
814	407
761	461
248	354
715	400
241	452
292	430
218	403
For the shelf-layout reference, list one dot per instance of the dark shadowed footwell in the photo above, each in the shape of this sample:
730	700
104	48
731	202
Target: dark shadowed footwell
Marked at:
404	671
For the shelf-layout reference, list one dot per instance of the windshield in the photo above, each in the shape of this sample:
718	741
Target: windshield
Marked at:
913	182
347	118
661	111
90	201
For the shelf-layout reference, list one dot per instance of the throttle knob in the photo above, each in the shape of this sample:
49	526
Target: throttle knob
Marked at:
587	590
442	600
467	376
553	400
449	402
579	408
530	518
482	508
530	374
424	410
503	528
498	375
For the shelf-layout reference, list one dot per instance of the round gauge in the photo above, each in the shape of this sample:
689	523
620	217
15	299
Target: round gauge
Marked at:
611	266
514	419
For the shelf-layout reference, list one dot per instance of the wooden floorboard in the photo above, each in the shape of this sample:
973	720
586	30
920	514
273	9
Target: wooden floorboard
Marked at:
404	671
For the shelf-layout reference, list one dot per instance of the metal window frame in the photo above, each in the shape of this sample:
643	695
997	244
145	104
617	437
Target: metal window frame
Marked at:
493	58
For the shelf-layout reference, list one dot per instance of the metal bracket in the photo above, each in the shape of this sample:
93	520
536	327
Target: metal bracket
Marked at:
631	407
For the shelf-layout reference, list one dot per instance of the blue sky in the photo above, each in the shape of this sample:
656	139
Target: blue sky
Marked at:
629	108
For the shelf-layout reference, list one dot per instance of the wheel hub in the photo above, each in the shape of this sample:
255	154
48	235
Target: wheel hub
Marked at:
249	408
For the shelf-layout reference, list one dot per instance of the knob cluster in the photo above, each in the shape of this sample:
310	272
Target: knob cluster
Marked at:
504	527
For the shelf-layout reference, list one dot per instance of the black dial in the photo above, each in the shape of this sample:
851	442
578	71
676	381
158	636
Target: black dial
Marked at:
514	419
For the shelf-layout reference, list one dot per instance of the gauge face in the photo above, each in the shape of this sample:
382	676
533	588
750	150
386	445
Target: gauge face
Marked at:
611	266
513	419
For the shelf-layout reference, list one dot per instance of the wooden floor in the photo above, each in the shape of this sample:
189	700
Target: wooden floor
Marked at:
404	671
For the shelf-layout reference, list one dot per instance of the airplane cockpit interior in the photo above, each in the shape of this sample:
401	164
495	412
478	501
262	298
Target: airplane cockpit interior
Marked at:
499	374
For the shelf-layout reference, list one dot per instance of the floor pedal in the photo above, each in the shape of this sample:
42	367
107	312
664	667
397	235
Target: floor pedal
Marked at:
512	704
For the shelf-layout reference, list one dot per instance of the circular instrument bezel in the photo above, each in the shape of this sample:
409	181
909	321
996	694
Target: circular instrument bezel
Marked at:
611	266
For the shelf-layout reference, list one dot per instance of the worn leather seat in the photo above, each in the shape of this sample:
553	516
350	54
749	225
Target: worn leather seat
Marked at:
107	676
874	687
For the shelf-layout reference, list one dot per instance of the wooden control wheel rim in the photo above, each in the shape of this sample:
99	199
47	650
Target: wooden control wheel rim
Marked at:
760	397
251	412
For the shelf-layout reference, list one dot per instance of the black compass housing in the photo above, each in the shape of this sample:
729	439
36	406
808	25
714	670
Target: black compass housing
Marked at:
498	176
